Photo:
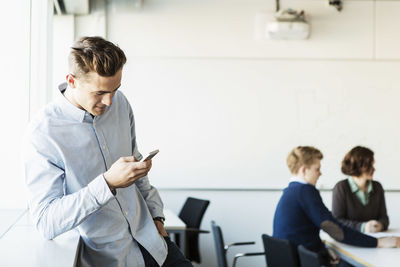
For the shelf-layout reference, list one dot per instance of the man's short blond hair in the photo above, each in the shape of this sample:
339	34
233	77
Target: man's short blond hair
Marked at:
302	156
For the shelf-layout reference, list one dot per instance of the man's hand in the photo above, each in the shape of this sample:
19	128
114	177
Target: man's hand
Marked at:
373	226
125	171
389	242
160	228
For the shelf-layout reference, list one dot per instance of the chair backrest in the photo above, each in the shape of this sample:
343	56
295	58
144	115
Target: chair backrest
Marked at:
192	214
308	258
192	211
219	245
279	252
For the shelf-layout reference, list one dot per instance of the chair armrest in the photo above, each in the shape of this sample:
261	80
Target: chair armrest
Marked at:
237	256
196	230
239	244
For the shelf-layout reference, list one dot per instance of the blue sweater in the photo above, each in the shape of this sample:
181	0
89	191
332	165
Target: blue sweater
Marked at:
299	215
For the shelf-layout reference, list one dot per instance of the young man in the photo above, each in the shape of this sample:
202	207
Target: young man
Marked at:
301	214
83	169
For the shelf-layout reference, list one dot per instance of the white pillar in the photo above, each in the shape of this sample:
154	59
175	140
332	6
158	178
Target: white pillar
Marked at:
40	81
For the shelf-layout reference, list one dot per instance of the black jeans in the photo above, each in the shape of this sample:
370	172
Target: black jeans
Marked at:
175	258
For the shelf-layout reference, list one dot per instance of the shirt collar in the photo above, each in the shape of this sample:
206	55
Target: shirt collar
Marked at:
354	188
70	109
297	179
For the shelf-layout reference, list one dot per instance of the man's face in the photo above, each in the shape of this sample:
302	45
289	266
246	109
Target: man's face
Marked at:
313	172
94	93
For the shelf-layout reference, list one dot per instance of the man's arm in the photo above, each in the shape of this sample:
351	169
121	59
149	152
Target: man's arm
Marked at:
53	211
160	227
316	210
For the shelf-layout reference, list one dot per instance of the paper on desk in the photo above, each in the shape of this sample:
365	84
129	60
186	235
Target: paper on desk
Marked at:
389	232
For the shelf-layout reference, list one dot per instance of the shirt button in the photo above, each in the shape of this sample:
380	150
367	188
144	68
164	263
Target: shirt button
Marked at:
126	213
104	147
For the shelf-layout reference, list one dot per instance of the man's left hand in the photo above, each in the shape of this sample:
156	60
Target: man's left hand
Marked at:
160	228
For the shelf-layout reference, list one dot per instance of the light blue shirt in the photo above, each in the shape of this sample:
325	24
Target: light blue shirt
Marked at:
66	153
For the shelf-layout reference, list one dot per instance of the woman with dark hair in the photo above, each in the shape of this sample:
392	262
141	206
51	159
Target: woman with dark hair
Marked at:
358	201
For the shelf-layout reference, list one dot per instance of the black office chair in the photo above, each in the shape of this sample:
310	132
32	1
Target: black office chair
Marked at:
192	214
221	248
279	252
308	258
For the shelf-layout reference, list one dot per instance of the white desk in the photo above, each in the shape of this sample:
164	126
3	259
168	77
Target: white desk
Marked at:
22	245
378	257
172	221
8	217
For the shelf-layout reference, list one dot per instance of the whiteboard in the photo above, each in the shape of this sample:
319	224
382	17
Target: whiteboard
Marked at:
222	123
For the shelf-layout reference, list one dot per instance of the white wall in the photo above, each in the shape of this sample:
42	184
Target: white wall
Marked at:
225	108
211	96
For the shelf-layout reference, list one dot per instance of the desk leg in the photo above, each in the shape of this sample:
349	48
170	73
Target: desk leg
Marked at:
181	235
183	242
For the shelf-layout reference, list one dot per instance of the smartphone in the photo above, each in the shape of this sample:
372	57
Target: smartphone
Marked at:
151	154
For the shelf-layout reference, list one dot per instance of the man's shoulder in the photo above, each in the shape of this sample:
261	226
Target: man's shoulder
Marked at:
295	194
121	103
45	117
296	189
121	98
296	186
306	191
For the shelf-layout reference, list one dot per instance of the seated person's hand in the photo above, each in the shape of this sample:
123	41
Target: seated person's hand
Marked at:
373	226
333	257
389	242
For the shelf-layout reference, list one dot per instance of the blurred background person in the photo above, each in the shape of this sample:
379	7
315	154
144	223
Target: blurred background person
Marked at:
358	201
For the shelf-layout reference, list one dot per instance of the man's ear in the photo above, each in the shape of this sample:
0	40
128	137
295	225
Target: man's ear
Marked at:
302	170
70	80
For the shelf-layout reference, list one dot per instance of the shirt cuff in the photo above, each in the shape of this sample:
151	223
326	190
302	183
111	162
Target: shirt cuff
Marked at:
363	227
156	212
100	190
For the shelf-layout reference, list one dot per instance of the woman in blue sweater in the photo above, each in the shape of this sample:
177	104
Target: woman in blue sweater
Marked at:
301	214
